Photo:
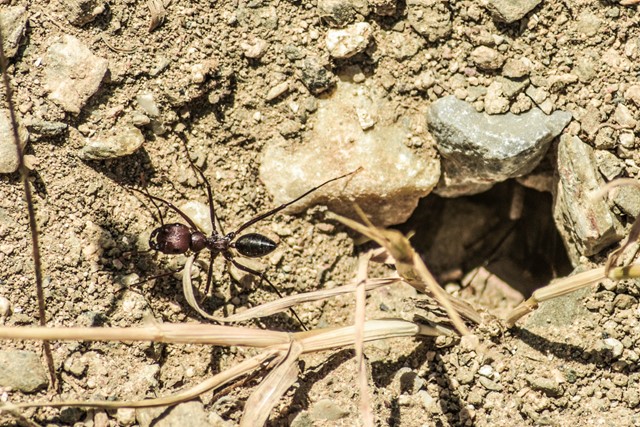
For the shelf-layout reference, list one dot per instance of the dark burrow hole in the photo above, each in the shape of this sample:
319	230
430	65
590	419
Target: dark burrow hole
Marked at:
457	235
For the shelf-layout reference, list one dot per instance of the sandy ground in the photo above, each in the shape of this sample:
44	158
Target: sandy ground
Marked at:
560	368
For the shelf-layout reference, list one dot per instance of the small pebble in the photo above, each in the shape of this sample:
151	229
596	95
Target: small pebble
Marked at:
124	142
548	386
486	58
147	102
349	41
254	49
615	346
126	416
5	307
277	90
486	371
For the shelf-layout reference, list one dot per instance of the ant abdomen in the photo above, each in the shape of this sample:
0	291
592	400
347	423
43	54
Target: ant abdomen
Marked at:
254	245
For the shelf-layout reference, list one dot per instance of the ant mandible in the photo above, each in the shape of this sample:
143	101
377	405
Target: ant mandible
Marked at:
178	238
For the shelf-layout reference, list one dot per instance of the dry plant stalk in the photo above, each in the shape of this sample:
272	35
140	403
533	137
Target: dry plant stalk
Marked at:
33	227
413	270
281	349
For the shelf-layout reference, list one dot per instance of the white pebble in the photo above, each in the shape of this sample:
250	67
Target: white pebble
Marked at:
615	346
486	371
5	307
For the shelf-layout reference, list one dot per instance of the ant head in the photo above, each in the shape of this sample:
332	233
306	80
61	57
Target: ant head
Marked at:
254	245
171	239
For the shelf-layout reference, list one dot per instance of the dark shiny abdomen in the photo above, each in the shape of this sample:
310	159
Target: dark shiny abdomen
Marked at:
254	245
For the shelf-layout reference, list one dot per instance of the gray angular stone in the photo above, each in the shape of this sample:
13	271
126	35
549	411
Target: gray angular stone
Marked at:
609	165
510	10
587	225
393	178
8	155
479	150
627	198
13	21
22	370
429	18
72	73
123	142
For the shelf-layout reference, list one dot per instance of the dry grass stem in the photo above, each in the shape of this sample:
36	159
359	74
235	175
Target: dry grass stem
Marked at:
28	195
279	305
365	399
157	13
556	289
272	388
282	347
411	268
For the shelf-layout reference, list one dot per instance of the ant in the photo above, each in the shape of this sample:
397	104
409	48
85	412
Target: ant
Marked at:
178	238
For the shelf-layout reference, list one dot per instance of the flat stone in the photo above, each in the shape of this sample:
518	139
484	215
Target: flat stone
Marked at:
510	10
609	165
393	178
22	370
587	225
479	150
8	155
13	21
122	142
72	73
429	18
562	312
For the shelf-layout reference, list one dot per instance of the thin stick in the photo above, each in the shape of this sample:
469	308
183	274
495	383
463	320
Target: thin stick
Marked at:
24	174
365	398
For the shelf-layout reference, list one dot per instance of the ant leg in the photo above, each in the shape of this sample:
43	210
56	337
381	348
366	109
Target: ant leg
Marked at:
209	276
262	276
171	206
153	202
284	205
207	186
